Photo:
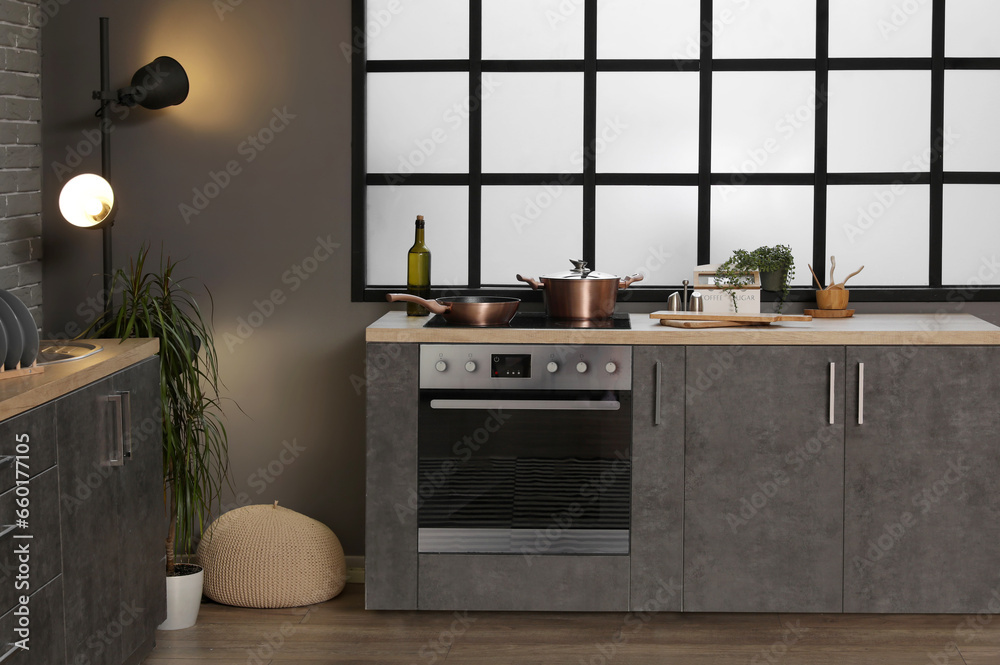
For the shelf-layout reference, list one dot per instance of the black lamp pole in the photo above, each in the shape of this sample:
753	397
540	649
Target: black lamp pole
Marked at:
106	157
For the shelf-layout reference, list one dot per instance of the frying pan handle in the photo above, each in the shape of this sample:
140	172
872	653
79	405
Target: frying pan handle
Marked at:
627	281
432	305
532	282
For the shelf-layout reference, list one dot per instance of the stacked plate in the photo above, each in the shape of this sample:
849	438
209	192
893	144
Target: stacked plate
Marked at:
18	334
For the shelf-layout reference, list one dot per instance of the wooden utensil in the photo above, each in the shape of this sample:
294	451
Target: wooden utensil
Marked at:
818	285
841	285
833	265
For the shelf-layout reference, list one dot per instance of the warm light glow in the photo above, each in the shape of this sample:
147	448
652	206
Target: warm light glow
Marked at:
87	201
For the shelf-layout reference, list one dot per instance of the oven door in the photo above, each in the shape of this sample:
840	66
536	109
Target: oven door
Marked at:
526	472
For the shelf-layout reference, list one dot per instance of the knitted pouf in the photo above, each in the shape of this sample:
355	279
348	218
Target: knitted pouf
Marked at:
268	557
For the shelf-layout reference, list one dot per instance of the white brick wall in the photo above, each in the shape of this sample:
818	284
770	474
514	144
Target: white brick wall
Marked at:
21	152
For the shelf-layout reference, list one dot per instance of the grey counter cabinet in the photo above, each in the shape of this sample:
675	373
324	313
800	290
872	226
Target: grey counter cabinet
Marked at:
762	482
97	583
657	528
922	504
112	520
763	479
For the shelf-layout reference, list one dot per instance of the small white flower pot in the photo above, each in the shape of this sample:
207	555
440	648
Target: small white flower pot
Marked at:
183	600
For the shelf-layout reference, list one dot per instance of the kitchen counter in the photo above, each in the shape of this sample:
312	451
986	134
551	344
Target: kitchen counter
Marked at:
26	392
861	329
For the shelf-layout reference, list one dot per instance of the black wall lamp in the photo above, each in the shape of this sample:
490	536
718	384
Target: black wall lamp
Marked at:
88	200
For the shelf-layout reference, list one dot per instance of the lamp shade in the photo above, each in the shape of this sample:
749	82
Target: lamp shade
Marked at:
88	201
160	84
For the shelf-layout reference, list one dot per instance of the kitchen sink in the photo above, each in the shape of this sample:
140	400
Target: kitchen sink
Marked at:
51	352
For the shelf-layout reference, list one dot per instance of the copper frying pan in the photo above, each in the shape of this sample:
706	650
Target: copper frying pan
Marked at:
479	311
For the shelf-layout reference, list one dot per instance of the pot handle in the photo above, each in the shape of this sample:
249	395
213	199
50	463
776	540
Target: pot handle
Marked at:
628	281
532	282
432	305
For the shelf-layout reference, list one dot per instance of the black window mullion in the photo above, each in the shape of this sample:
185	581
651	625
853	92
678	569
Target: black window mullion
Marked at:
359	164
935	276
822	116
475	143
590	133
705	137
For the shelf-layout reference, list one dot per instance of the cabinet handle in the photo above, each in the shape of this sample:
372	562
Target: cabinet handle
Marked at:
118	454
833	391
10	652
656	396
126	424
861	393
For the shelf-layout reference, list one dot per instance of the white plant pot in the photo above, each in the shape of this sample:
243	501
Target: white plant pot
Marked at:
183	600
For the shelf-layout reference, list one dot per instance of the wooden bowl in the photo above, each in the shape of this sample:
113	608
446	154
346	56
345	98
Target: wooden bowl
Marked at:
832	298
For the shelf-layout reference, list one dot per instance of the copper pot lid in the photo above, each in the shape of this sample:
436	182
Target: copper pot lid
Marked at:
581	271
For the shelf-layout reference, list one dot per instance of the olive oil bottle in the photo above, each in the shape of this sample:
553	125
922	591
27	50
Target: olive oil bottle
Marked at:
418	271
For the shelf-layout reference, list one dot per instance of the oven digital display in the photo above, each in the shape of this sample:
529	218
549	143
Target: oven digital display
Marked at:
506	365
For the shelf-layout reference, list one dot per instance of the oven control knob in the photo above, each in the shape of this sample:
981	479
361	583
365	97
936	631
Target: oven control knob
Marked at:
441	366
611	367
552	367
581	367
470	366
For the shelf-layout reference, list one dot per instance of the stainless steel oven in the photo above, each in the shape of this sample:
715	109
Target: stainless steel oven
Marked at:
524	448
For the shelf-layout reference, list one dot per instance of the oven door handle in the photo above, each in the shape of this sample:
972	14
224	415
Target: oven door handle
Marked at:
527	404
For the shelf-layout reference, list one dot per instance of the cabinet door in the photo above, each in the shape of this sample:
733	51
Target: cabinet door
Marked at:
391	476
142	525
89	523
922	504
45	639
657	529
763	515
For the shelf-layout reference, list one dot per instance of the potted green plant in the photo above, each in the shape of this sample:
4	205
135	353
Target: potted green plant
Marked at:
195	444
775	264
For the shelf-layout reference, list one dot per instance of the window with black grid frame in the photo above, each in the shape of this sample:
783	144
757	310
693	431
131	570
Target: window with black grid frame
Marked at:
653	136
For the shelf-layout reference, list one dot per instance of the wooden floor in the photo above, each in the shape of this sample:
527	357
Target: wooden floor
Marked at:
341	631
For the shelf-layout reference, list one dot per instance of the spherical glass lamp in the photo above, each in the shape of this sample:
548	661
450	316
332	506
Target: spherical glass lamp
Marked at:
88	201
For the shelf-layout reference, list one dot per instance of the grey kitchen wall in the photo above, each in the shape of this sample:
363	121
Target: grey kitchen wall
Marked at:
21	152
260	155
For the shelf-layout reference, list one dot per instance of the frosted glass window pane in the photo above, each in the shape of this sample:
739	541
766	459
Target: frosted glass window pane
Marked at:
532	30
880	28
971	235
971	28
648	29
533	123
530	230
650	230
763	122
750	217
879	121
884	228
647	122
972	137
391	213
416	30
416	124
764	29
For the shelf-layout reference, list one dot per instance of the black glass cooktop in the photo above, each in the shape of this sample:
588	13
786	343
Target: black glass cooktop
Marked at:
539	321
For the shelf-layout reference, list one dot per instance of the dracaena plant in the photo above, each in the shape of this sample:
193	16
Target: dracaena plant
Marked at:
195	444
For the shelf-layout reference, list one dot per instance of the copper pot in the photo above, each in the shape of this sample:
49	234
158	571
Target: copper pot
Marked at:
580	293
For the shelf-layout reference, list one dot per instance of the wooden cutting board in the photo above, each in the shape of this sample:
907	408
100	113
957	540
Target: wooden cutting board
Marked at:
831	313
734	318
710	324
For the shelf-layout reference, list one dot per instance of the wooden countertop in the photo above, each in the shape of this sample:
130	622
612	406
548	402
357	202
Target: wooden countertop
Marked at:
20	394
861	329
